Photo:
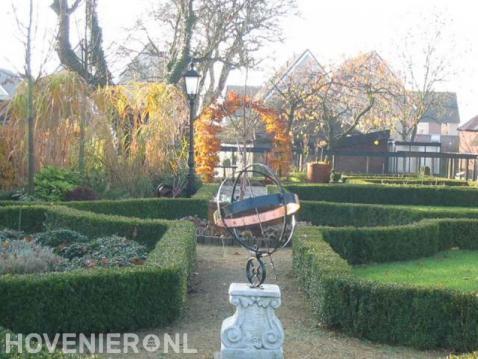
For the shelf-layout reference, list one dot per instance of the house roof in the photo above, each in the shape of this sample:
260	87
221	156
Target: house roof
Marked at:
364	138
296	63
470	126
444	109
149	65
370	61
8	84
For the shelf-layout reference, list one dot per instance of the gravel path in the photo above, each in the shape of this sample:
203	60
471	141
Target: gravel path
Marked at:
208	305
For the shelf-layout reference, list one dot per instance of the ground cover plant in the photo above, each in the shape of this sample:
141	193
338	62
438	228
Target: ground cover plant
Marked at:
109	295
65	250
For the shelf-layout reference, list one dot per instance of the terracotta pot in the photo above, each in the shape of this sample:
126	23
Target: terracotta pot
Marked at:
318	172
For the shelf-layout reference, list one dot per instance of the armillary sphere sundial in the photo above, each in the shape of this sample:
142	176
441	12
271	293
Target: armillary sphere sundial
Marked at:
262	223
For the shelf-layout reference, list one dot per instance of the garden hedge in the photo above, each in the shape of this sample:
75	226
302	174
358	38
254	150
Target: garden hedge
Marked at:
316	212
415	181
362	245
395	314
390	194
384	244
321	213
99	300
167	208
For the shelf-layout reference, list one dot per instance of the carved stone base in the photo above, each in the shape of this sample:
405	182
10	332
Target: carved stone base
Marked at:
253	331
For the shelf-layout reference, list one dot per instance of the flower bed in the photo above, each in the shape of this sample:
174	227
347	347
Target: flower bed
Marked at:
103	299
65	250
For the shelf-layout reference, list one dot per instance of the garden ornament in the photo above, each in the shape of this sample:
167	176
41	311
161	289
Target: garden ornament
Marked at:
261	223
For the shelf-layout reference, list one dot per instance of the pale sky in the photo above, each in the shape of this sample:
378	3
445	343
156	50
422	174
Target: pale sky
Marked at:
332	30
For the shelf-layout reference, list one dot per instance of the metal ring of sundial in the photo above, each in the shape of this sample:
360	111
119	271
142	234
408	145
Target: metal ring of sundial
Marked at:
265	208
245	215
255	271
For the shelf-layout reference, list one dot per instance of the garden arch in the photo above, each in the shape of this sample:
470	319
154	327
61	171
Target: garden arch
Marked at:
208	127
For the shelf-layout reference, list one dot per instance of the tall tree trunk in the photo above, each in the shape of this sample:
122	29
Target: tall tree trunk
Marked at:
81	154
180	64
30	112
99	76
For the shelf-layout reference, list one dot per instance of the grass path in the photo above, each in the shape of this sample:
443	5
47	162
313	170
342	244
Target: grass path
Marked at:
208	305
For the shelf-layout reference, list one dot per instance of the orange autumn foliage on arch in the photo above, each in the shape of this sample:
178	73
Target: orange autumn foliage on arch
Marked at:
208	126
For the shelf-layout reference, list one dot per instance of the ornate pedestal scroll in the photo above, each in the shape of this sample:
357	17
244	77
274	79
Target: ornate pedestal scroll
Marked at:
253	331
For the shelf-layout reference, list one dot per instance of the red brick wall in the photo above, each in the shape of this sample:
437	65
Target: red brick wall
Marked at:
468	142
434	128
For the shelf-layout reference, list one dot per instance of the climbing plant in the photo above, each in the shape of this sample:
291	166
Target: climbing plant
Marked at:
208	127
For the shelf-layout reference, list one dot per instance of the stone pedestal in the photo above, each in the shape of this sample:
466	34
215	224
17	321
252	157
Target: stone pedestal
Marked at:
253	331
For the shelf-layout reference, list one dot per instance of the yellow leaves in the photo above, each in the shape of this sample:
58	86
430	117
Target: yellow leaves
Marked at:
140	125
208	127
148	119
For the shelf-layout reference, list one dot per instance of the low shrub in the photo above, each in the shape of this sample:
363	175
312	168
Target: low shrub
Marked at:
167	208
459	232
104	299
43	354
23	256
361	245
52	183
351	214
27	218
81	194
395	314
390	194
59	237
417	181
384	244
105	252
10	235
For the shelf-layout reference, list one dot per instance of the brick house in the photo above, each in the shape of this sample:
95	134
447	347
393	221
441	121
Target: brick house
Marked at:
469	136
440	123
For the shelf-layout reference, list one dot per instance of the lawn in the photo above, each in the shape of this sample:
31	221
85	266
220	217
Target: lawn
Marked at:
454	269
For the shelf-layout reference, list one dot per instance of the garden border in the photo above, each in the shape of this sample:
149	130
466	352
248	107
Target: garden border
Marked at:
100	300
421	317
388	194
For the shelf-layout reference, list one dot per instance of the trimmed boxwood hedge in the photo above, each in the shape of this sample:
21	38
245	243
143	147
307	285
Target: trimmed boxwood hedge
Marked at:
390	194
43	354
366	215
417	181
100	300
164	208
167	208
395	314
316	212
361	245
384	244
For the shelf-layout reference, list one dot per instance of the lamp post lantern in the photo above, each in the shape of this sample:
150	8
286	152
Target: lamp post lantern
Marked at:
191	79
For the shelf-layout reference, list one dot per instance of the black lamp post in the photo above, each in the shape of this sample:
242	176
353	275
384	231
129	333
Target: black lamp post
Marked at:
191	79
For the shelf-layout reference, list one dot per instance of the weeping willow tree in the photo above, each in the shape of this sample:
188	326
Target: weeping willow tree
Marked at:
123	133
61	106
148	122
